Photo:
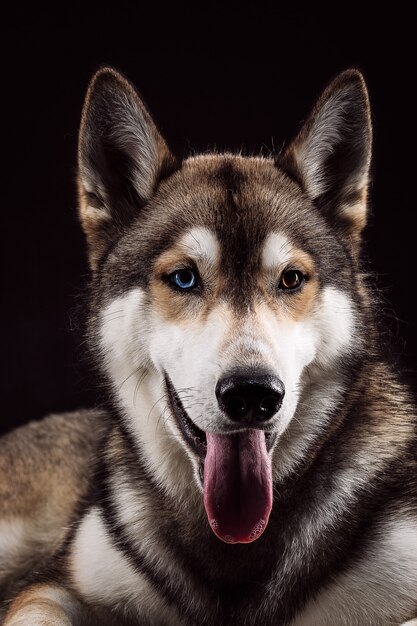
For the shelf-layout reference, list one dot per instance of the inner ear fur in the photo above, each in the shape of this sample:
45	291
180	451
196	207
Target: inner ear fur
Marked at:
331	155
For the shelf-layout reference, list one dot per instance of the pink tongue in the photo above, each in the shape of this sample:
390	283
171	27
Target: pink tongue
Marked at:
238	485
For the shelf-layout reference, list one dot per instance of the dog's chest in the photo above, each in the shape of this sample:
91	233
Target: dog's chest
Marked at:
379	588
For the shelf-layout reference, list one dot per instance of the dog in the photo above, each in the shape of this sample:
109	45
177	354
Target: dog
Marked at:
256	461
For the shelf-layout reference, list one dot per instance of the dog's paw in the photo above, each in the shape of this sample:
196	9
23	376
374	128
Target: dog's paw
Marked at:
43	605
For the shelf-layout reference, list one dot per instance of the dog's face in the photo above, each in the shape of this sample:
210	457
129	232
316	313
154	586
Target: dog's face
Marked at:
227	289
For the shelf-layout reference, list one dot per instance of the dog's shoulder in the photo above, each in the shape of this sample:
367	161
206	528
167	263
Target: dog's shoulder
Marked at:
45	471
47	454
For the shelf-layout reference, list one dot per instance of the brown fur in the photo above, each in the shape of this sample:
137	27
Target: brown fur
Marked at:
45	472
42	453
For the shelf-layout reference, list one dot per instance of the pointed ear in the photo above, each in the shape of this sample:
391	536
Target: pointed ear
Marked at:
331	155
121	159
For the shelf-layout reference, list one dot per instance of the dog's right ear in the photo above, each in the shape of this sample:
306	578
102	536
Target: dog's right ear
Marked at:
121	159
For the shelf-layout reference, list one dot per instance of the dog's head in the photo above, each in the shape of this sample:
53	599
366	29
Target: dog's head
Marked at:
227	297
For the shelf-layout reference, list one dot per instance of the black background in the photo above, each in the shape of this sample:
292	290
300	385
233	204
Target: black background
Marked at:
213	76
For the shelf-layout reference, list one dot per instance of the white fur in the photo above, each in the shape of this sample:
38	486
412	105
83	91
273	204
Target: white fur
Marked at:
132	513
138	347
136	514
101	572
334	321
139	388
292	347
124	334
320	338
379	589
329	331
316	407
201	243
98	569
196	355
276	252
191	355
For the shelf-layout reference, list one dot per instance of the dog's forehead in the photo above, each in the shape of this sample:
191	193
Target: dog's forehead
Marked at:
235	211
240	199
230	188
227	207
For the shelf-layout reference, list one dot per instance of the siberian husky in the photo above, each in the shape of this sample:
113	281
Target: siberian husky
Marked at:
257	460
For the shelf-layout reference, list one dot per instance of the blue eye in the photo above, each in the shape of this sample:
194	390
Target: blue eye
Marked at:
185	279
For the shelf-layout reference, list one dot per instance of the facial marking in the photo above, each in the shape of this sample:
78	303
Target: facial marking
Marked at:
279	254
201	243
186	352
124	337
196	338
277	251
198	245
200	249
285	332
334	322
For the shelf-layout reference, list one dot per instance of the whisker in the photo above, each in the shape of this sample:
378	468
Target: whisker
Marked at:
138	384
135	371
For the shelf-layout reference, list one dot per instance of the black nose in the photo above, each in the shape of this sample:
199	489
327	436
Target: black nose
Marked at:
250	398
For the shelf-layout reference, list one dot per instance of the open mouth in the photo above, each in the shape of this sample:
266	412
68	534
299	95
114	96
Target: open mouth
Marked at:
236	474
194	437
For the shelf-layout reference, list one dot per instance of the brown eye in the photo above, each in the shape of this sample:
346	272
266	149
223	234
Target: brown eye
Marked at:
291	280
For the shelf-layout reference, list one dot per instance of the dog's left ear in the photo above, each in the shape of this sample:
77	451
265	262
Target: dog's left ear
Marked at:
331	155
121	159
